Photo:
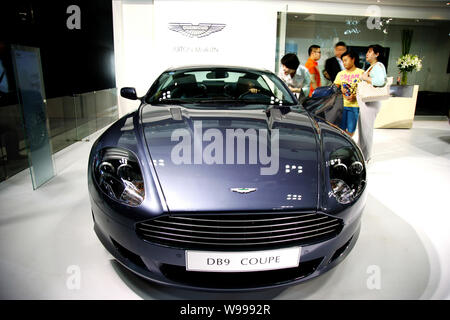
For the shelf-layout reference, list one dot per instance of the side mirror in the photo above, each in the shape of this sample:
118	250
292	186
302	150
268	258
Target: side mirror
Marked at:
128	93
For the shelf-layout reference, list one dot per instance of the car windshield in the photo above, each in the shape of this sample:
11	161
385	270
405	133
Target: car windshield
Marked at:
219	85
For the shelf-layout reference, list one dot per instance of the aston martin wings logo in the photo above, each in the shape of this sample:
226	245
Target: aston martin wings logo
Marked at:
243	190
196	30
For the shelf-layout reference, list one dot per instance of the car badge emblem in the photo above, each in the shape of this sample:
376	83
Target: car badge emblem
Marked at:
243	190
196	30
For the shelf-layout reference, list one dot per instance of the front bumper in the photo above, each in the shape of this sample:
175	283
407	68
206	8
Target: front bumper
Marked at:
165	265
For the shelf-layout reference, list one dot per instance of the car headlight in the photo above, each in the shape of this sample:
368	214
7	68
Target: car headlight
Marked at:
118	174
347	174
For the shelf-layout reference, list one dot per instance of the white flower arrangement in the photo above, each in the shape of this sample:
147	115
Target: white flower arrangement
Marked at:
409	62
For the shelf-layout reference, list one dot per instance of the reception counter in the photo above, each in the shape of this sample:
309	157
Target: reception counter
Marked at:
398	110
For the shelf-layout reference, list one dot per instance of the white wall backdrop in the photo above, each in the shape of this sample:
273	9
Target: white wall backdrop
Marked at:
145	46
248	37
134	48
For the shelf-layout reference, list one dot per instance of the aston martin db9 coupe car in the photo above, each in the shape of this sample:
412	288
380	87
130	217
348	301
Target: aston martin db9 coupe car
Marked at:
222	181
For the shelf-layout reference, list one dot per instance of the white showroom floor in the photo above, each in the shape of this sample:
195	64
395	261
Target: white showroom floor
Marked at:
403	251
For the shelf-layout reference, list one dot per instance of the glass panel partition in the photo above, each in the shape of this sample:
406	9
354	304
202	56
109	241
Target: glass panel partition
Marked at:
86	110
95	110
30	89
106	107
69	121
62	120
72	118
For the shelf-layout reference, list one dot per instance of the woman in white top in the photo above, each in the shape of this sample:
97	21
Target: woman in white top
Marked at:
376	75
294	75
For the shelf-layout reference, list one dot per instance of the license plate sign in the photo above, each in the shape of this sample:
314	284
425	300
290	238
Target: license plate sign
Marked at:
215	261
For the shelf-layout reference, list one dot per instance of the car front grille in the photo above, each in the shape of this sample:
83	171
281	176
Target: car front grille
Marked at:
236	232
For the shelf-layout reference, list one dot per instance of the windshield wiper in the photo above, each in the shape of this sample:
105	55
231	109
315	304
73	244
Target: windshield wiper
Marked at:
219	101
240	101
171	101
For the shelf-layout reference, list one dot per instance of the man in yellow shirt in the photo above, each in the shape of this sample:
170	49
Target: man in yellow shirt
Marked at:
348	80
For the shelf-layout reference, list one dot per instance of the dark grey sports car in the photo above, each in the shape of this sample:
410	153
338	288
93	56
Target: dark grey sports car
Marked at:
222	181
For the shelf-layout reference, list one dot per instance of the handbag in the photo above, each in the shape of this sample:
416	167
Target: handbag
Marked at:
324	91
368	92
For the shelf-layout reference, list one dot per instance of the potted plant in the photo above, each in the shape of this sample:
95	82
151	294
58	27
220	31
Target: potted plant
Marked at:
408	63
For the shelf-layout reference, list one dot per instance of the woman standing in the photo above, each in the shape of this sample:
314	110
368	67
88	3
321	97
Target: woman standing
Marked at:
376	75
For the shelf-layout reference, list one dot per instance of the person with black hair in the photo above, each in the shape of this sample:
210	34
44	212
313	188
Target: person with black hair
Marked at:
311	64
348	80
334	64
376	75
294	75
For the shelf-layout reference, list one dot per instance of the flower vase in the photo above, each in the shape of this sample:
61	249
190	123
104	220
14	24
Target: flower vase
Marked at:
404	80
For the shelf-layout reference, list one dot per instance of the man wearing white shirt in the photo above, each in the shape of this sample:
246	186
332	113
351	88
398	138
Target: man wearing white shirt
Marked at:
294	75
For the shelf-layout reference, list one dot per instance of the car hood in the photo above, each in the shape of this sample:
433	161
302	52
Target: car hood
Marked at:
201	166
